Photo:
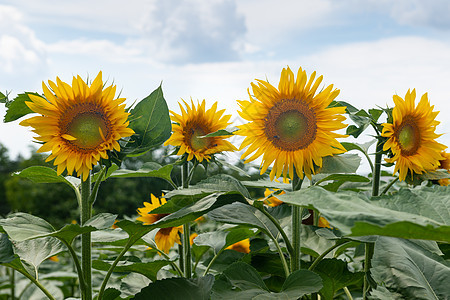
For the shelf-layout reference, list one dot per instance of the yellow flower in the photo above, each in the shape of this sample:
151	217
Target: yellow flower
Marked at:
78	123
324	222
411	136
165	238
272	201
241	246
195	122
444	182
54	258
445	162
192	237
291	126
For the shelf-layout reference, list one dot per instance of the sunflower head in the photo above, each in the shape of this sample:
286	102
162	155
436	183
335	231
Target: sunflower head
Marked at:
411	136
78	123
291	126
165	238
241	246
445	163
192	125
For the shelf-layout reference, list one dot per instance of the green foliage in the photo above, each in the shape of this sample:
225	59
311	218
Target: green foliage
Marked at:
150	121
404	267
17	108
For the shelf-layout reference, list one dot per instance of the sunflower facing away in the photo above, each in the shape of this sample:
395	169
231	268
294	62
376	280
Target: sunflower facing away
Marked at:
165	238
195	122
411	136
78	123
291	126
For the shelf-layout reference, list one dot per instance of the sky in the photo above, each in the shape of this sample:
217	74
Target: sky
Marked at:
214	49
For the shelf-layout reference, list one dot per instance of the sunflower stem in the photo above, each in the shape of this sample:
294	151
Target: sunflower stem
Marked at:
386	189
86	260
13	284
187	261
37	283
296	216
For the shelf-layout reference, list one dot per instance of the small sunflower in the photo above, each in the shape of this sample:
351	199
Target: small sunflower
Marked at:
272	201
291	126
241	246
192	238
78	123
445	164
195	122
411	136
165	238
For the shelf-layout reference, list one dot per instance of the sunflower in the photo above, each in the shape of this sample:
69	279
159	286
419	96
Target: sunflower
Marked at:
194	123
272	201
165	238
241	246
78	123
291	127
445	164
411	136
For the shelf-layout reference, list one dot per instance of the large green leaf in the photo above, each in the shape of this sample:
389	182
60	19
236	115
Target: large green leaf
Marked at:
242	281
150	121
17	107
219	240
404	267
343	163
6	249
35	251
133	283
339	179
148	269
178	288
239	213
148	170
335	276
422	213
223	183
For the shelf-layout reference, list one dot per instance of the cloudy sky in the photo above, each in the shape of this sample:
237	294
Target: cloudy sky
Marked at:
213	49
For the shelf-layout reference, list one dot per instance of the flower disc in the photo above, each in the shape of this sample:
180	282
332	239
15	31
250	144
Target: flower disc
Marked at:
192	125
78	123
292	126
411	136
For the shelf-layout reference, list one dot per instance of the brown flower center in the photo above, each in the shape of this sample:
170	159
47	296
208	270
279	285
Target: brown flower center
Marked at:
86	122
408	136
291	125
193	137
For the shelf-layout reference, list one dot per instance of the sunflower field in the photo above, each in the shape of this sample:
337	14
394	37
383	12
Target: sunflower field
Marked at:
292	219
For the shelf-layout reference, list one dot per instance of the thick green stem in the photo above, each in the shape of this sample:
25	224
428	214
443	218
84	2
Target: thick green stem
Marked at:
212	261
296	227
86	259
347	292
187	250
280	252
187	261
377	169
369	248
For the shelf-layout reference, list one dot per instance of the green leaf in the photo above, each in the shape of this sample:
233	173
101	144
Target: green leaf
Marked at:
364	148
314	244
335	276
223	183
375	113
17	107
343	163
6	249
22	226
148	269
3	98
340	179
404	267
133	283
150	121
262	183
239	213
178	288
242	281
147	170
219	240
231	167
221	132
417	214
40	174
35	251
111	294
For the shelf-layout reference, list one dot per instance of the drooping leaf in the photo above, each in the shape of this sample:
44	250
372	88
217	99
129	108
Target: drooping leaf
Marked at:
41	174
262	183
231	167
417	214
17	107
147	170
198	288
150	121
340	179
35	251
148	269
343	163
404	267
6	249
335	276
239	213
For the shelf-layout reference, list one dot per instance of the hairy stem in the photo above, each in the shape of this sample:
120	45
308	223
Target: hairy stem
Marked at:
86	259
296	216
